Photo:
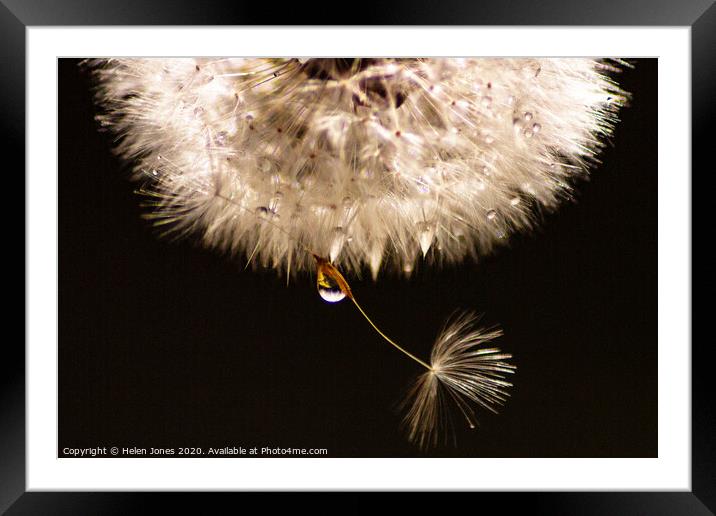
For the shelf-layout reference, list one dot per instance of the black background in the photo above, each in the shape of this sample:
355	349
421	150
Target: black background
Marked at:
167	345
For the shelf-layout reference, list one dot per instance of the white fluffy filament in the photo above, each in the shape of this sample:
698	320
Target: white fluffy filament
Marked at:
371	162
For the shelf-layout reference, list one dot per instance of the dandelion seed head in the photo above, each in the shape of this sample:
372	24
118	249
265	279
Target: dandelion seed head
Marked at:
377	163
464	374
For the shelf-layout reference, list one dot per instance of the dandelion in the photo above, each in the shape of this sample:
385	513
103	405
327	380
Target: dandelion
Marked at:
375	163
363	163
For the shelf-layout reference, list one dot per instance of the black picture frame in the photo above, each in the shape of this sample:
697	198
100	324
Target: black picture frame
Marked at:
17	15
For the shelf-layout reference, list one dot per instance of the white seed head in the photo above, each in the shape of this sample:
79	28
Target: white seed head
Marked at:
463	374
373	162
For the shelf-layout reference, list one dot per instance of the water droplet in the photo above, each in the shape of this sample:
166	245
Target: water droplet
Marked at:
339	238
266	213
328	286
536	128
220	138
423	185
498	225
426	235
528	133
515	201
264	165
527	116
489	139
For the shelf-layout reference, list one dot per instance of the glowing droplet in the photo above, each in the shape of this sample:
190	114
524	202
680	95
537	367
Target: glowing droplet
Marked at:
264	165
423	185
426	235
220	138
498	225
266	213
339	238
528	116
536	128
331	293
329	287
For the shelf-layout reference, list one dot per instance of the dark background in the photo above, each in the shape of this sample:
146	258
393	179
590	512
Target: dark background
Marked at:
169	345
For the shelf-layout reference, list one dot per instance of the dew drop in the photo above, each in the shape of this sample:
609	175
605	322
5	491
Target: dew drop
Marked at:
328	287
266	213
220	138
527	116
423	185
264	165
536	128
497	224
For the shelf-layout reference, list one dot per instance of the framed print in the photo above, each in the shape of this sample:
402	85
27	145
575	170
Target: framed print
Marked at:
358	258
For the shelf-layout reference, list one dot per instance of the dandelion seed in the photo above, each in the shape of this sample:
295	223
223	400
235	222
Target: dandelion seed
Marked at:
462	373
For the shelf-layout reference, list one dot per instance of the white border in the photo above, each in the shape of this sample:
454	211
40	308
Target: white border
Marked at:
670	471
